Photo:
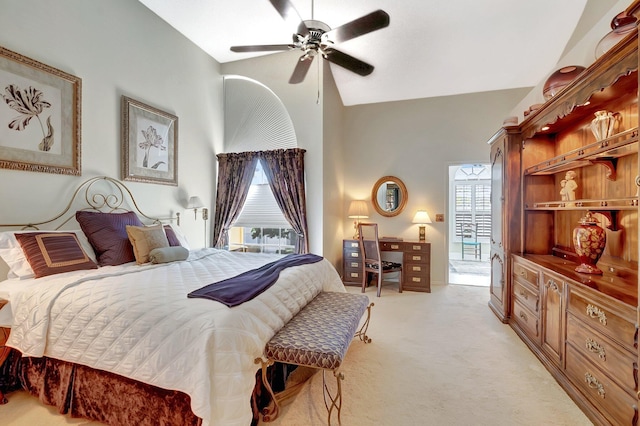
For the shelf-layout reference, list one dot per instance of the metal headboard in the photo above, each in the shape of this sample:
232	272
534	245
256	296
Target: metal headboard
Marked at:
100	193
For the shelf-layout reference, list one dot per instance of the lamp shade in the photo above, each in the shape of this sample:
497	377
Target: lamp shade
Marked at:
195	203
421	217
358	210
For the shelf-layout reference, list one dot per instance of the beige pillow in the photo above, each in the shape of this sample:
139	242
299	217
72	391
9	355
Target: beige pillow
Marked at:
146	238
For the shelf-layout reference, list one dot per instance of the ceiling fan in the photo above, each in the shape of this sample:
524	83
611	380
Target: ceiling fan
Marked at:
317	38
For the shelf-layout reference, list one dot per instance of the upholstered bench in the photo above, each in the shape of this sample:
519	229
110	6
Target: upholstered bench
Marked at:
318	337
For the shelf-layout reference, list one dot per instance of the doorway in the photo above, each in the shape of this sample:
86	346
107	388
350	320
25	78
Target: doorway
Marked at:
469	228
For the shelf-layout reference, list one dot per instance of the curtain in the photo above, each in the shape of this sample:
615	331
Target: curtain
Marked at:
284	169
235	172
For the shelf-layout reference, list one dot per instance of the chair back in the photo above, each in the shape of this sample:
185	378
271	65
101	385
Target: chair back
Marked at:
469	231
369	243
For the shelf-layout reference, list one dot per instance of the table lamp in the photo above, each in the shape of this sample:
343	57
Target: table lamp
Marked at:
357	210
422	218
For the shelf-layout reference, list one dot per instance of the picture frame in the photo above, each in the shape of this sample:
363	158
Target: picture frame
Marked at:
149	144
40	116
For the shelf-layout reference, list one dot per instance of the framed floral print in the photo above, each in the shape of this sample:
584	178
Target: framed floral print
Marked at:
39	116
149	144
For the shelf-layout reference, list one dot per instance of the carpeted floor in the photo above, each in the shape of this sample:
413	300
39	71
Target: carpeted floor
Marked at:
438	359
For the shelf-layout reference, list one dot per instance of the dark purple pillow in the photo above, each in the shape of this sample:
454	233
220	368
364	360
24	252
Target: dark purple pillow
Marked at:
107	233
171	236
53	253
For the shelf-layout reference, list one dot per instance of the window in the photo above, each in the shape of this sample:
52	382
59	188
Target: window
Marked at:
261	226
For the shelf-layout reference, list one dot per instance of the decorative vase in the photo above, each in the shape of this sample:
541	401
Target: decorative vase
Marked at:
605	124
621	25
589	240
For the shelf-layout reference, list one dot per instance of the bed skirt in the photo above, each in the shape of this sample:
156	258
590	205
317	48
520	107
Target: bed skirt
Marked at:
108	398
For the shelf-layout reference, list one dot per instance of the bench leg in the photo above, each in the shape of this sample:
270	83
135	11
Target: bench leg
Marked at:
271	412
362	332
336	401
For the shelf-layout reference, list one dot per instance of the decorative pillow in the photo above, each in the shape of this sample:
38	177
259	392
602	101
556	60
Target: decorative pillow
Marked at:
54	253
13	255
171	236
168	254
107	234
175	231
146	238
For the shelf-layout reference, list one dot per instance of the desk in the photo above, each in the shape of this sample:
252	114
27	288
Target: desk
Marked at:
416	263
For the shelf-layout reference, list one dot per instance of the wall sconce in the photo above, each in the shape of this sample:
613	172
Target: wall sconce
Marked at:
422	218
195	203
357	210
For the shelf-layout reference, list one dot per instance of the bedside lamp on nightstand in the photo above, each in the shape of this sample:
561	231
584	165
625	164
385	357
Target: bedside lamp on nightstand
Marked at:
358	210
422	218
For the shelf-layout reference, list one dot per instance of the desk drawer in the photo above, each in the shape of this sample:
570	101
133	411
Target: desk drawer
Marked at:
413	258
391	246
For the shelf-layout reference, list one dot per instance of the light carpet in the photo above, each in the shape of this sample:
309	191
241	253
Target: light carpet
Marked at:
439	358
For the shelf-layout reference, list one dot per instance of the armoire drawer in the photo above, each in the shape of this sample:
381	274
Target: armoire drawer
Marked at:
617	405
615	322
523	272
527	296
610	357
527	320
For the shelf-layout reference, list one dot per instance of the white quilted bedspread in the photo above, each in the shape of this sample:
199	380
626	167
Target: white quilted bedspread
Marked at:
137	321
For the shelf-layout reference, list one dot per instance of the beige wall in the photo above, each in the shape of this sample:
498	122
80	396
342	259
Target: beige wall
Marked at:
117	47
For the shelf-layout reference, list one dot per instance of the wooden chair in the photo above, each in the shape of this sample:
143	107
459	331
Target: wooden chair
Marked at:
469	234
372	262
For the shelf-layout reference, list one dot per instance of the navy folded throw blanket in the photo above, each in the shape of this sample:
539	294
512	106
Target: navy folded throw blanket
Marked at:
237	290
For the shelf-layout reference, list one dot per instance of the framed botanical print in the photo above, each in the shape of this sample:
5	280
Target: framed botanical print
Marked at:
149	144
40	120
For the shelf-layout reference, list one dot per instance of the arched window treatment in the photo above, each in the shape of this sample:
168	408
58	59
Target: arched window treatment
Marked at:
235	172
284	169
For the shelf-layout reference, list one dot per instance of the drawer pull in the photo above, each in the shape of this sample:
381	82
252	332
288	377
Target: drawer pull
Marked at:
355	275
355	254
596	348
524	316
595	312
354	264
416	268
416	279
395	246
417	247
354	245
525	295
594	384
417	258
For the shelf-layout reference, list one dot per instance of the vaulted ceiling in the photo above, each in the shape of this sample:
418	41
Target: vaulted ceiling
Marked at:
431	47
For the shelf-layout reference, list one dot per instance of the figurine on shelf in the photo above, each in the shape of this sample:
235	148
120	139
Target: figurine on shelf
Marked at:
569	187
563	190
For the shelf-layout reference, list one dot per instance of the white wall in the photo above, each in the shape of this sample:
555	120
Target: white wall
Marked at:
416	141
117	47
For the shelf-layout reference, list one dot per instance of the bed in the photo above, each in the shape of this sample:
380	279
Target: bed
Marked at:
132	323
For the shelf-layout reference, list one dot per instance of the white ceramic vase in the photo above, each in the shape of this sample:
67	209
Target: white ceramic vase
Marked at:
605	124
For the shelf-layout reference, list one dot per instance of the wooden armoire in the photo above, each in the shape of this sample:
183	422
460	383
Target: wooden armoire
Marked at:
582	327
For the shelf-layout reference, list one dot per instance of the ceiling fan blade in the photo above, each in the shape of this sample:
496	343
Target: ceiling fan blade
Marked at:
363	25
300	71
349	62
262	48
290	15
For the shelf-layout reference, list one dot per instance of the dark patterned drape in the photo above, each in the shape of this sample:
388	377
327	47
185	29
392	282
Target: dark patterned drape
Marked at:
284	169
235	172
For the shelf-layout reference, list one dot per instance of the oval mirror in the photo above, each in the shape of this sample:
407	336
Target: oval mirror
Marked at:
389	196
